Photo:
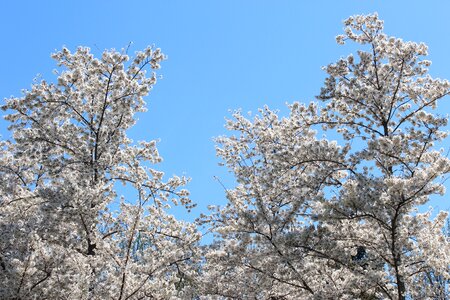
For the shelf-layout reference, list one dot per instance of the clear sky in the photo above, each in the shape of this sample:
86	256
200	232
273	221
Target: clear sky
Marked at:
223	55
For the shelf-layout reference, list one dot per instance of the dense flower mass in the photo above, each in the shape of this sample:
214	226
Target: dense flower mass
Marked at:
309	218
312	218
65	232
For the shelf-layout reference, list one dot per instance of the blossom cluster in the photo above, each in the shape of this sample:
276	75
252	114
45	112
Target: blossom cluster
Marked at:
308	218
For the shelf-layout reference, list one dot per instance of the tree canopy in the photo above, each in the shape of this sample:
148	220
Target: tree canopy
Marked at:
310	217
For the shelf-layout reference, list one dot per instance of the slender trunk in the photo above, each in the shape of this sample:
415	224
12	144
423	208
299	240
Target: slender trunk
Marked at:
396	255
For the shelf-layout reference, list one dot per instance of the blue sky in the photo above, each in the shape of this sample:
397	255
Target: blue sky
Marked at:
222	55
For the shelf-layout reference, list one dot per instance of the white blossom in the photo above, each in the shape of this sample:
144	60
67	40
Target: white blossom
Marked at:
65	231
313	218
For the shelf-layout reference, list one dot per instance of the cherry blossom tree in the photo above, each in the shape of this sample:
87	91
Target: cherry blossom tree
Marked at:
310	217
66	232
315	218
